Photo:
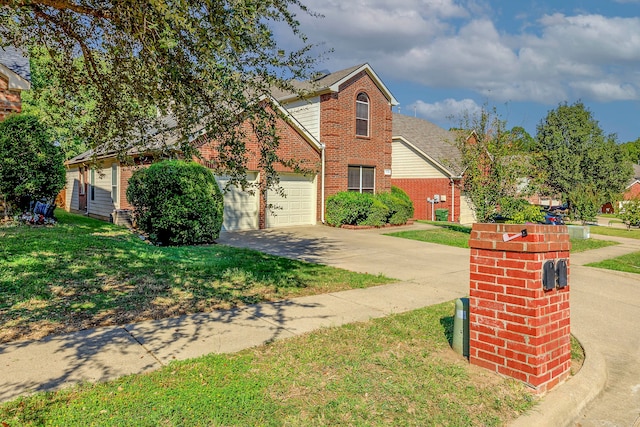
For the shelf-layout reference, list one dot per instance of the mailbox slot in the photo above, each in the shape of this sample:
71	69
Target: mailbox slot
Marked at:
561	273
549	276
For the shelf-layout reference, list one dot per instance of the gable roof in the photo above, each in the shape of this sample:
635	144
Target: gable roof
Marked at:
430	140
166	140
330	83
15	66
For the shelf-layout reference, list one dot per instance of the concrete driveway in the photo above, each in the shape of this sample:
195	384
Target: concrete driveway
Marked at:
443	268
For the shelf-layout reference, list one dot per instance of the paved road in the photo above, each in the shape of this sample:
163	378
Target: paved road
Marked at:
605	311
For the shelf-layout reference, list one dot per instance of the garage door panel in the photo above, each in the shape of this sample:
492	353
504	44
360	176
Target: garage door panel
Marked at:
240	207
299	205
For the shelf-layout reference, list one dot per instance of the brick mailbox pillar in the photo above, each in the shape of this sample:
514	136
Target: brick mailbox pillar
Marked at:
516	326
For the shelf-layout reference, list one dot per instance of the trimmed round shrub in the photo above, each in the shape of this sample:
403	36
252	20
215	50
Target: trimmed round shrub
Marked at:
176	203
378	213
348	207
399	204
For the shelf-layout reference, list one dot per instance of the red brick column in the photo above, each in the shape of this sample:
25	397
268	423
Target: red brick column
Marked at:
516	328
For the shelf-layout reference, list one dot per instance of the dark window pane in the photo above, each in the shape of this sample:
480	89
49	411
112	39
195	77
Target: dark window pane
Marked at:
368	178
354	178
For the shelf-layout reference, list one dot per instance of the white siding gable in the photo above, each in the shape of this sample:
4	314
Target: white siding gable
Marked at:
407	162
307	113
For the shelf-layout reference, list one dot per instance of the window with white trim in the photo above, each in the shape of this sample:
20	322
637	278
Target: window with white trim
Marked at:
361	179
362	114
114	182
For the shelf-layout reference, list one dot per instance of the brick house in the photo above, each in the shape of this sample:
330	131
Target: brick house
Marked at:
426	166
633	187
14	78
341	132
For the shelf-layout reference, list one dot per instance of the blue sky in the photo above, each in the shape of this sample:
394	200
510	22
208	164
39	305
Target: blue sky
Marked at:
442	57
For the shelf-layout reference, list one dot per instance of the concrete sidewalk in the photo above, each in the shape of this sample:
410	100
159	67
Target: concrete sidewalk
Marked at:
604	308
108	353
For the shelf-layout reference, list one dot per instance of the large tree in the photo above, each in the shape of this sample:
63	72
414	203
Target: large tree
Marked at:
67	115
204	64
31	166
576	158
493	159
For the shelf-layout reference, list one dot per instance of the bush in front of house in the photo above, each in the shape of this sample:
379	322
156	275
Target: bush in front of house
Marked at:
399	204
351	208
176	203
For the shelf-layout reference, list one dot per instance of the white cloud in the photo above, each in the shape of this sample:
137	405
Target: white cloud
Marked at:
455	44
448	110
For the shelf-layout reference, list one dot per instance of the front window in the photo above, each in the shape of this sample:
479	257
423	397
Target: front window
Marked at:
114	182
362	114
361	179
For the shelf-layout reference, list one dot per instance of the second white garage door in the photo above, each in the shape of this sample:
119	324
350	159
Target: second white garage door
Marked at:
299	205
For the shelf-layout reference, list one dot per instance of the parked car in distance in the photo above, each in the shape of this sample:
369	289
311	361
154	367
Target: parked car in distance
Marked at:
553	218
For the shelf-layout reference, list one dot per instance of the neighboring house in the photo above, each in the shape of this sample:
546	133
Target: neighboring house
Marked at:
632	191
633	188
341	131
426	166
14	78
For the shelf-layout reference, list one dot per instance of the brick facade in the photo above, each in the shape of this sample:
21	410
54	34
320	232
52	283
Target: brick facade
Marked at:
338	133
10	101
517	328
419	189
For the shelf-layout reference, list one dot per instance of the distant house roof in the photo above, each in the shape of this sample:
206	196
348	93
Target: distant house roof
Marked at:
431	140
15	66
330	82
636	175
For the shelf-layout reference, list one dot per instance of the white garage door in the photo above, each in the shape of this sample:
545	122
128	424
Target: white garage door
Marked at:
240	207
299	205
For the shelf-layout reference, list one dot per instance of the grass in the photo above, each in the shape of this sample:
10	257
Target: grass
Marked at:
445	234
397	370
458	236
84	273
634	233
629	263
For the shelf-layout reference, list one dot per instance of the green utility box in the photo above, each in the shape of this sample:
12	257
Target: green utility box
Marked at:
461	327
442	214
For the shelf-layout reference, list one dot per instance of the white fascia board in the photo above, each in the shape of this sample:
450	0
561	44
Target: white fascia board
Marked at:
16	82
425	155
366	67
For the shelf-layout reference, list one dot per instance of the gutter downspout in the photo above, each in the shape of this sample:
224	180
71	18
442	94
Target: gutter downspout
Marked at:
322	147
453	200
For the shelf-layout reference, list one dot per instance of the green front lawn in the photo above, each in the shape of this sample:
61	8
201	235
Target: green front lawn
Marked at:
629	263
394	371
84	273
634	233
458	236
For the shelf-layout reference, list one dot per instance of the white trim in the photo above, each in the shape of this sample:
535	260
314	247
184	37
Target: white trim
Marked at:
16	82
366	67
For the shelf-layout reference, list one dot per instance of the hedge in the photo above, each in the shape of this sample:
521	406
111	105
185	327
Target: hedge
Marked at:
351	208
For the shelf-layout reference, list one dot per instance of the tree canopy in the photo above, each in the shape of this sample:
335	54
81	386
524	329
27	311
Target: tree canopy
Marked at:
493	159
575	159
202	63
